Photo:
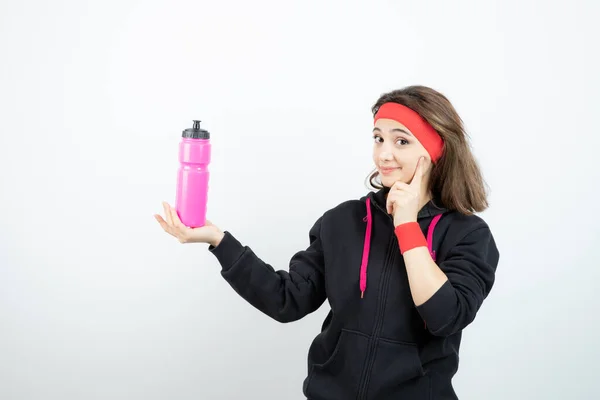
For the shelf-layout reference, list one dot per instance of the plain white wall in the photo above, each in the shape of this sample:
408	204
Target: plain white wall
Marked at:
97	302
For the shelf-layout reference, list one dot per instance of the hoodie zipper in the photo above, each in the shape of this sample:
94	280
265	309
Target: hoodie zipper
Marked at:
384	285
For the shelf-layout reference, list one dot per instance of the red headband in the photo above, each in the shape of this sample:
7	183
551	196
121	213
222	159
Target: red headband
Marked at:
422	130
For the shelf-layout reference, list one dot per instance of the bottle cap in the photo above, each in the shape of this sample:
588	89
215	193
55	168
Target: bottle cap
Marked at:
196	132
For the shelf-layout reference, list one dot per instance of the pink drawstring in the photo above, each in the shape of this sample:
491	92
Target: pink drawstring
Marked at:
365	258
430	235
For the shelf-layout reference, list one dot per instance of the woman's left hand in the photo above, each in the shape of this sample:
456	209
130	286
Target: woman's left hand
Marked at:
404	199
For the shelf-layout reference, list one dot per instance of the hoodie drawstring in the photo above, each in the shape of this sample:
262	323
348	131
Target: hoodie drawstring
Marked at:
434	221
367	245
366	248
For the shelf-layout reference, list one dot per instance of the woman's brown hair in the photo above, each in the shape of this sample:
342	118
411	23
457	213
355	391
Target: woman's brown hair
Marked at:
456	180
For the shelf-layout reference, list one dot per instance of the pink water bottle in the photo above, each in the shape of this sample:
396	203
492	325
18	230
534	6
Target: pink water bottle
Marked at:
192	176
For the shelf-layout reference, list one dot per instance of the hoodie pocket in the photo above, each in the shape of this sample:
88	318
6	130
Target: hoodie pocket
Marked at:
397	373
338	377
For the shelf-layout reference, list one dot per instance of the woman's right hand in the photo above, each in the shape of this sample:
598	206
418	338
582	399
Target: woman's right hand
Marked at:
209	233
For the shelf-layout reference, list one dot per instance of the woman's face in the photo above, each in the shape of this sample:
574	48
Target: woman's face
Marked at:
396	153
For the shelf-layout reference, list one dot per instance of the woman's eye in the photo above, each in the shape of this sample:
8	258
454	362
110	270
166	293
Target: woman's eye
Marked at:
377	138
402	142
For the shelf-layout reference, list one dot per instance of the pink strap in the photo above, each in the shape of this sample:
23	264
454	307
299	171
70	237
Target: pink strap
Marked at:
365	257
430	234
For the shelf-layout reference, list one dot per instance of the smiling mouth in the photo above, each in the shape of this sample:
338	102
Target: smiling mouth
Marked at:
387	171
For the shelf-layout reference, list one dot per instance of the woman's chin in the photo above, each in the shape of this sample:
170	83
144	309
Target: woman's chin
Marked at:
388	181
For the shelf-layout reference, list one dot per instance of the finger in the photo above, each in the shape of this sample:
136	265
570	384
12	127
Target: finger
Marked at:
392	200
401	188
400	198
175	218
391	207
160	220
163	224
181	231
167	213
389	202
399	185
418	176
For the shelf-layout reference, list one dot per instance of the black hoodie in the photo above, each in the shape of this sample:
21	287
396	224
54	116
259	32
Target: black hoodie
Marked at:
377	346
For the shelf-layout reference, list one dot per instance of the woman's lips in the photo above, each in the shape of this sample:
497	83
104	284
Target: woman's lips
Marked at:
387	170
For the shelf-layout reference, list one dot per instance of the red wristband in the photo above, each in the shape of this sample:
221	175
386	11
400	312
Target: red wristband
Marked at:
410	236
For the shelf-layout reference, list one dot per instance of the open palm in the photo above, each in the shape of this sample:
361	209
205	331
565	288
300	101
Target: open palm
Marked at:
209	233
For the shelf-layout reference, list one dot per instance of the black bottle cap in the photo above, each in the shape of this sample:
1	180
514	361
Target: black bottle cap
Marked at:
196	132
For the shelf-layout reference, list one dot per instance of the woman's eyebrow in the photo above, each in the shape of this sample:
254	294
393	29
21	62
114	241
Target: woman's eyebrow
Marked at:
393	130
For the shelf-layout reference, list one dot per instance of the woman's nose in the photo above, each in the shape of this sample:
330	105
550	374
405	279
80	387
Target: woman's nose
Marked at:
385	156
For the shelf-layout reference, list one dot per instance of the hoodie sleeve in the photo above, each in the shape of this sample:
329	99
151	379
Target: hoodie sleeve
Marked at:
285	296
470	267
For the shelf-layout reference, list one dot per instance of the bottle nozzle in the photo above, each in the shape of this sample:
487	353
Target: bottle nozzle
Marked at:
195	132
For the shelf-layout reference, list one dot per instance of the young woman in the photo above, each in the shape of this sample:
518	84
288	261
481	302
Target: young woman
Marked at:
405	268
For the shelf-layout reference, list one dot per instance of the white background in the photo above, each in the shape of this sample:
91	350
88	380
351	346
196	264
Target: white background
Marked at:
97	302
